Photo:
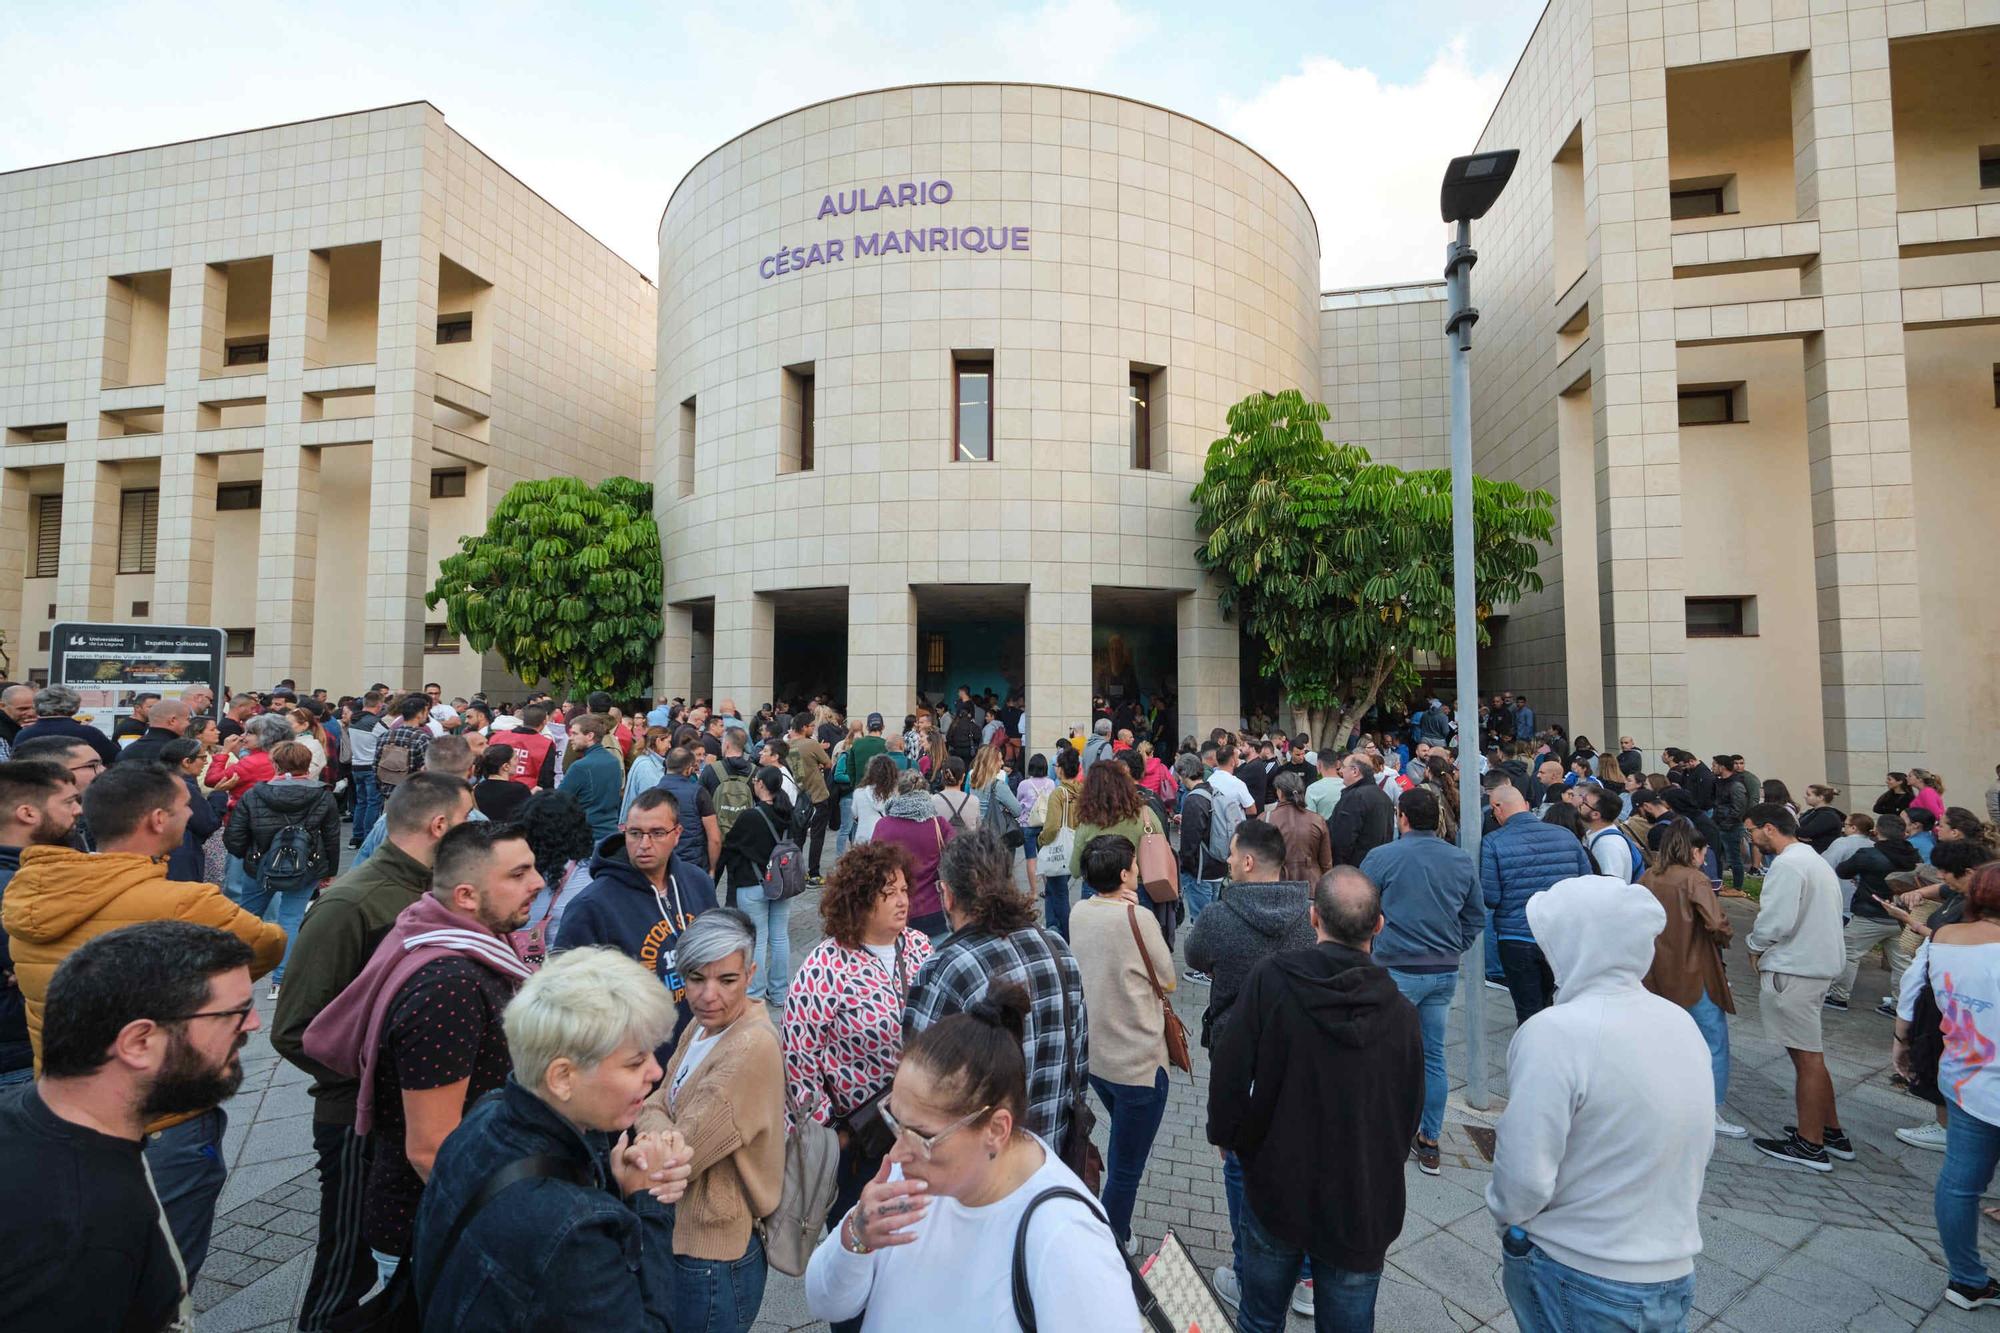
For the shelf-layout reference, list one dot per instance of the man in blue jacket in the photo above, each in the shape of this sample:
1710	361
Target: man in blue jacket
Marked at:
1431	913
1518	860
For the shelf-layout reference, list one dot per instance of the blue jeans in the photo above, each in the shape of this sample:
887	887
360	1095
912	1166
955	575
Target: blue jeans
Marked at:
1494	972
1548	1297
1196	895
188	1175
840	837
236	881
1529	979
1971	1148
1431	992
719	1295
774	948
1732	852
1343	1301
1714	1025
1136	1111
291	909
1055	900
1232	1197
367	801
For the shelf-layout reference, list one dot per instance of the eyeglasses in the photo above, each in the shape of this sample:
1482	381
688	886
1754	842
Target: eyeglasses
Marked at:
241	1015
927	1144
651	834
90	766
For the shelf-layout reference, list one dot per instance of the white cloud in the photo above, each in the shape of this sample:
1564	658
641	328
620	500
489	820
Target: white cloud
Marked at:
1369	155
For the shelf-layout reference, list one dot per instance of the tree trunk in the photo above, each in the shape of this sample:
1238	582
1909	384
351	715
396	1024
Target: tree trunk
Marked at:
1350	720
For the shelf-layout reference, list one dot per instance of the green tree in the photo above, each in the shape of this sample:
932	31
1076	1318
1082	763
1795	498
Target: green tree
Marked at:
564	583
1340	566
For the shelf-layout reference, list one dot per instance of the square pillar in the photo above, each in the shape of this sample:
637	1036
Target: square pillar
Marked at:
84	585
1211	665
14	526
1857	409
881	650
743	646
399	515
1058	657
287	563
673	663
184	567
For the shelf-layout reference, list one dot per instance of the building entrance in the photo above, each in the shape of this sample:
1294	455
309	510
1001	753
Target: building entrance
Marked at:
972	635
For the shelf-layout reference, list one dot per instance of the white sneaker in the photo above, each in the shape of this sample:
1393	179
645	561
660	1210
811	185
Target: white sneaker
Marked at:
1302	1298
1226	1289
1727	1130
1929	1136
1500	986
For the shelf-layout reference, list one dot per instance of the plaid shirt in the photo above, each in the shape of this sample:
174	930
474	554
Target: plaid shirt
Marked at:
957	976
418	738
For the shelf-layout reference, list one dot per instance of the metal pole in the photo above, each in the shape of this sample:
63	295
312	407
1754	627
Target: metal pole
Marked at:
1459	259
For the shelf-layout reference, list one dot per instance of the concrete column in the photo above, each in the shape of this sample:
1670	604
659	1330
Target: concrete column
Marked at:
1857	410
400	466
84	584
743	645
287	563
881	649
1211	665
184	567
1642	587
1058	656
15	513
673	663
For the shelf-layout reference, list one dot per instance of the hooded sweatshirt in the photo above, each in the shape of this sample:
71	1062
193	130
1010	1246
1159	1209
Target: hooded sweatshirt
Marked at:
1611	1121
1870	868
621	908
1316	1085
60	899
1245	924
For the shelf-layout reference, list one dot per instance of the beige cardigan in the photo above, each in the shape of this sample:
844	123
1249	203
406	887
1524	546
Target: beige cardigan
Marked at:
732	1113
1128	1032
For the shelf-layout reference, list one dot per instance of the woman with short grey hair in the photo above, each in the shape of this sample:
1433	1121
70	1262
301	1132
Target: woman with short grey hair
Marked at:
55	716
581	1033
244	761
724	1091
57	701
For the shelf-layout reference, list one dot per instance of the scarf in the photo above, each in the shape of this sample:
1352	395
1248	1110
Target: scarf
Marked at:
914	806
346	1036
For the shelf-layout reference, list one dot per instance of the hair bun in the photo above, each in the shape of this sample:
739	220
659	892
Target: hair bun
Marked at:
1004	1006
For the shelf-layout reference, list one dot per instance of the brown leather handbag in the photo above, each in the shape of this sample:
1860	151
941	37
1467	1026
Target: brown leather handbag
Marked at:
1159	871
1176	1033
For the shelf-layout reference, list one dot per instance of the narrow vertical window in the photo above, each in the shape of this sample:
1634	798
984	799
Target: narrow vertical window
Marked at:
48	537
795	429
972	410
138	531
684	450
1142	420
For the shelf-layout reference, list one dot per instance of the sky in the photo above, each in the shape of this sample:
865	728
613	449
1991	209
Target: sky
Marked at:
603	107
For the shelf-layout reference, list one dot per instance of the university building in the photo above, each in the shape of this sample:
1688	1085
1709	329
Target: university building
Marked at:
930	372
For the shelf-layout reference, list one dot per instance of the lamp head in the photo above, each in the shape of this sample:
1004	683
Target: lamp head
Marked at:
1473	182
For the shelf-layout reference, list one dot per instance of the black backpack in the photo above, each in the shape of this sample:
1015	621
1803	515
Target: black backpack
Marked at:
288	862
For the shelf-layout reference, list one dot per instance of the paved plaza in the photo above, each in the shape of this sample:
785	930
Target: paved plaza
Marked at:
1784	1249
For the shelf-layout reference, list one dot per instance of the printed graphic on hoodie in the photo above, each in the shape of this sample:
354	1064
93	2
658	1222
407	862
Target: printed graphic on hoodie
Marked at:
1968	1047
665	962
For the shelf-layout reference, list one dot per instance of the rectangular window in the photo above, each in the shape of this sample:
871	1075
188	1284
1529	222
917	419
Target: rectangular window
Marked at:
54	433
1720	617
1989	167
239	642
1713	404
795	435
439	639
972	410
1705	202
684	455
247	352
239	495
42	646
454	329
934	658
1144	383
142	608
138	531
48	537
448	483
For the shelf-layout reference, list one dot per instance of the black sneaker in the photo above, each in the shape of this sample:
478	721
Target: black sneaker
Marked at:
1835	1002
1887	1008
1426	1155
1835	1141
1795	1151
1967	1297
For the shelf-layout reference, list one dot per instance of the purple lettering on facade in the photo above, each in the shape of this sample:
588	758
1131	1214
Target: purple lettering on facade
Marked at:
940	237
1020	239
906	194
868	245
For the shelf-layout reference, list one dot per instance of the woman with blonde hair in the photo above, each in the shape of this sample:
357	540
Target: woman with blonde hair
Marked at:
1821	821
988	781
1930	792
310	733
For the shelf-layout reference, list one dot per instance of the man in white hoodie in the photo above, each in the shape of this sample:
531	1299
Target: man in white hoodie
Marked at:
1798	948
1603	1146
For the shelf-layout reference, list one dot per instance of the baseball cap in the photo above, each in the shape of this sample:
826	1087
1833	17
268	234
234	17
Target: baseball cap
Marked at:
874	722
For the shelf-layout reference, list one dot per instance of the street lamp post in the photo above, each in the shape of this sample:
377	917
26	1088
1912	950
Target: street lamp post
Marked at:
1471	184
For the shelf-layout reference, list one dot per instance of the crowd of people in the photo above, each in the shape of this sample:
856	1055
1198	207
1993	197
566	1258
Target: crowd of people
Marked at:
557	970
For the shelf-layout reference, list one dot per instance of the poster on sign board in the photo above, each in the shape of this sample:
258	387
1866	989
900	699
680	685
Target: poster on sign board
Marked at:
111	665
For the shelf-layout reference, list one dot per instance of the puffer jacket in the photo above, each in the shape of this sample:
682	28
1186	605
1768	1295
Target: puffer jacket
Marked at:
1520	859
1870	869
61	899
270	807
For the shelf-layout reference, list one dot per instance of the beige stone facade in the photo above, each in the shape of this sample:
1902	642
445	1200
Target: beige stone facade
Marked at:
273	377
1137	242
1738	314
1383	372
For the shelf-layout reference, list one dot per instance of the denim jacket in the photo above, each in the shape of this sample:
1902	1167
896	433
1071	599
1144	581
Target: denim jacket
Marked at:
549	1253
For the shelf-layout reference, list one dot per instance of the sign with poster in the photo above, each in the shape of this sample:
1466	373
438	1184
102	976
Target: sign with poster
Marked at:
111	665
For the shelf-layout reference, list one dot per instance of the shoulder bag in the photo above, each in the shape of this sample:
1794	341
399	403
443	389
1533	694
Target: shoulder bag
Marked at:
1926	1042
1176	1031
1159	870
1151	1316
870	1133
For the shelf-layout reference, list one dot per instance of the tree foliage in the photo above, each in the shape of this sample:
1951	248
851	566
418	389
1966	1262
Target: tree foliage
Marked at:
1340	566
564	583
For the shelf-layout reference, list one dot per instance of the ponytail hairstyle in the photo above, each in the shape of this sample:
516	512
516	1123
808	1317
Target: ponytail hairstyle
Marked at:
975	870
975	1058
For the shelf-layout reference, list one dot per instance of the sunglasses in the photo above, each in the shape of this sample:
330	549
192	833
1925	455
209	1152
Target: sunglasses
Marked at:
926	1144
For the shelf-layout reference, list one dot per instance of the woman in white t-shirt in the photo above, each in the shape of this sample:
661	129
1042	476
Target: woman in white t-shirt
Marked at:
931	1243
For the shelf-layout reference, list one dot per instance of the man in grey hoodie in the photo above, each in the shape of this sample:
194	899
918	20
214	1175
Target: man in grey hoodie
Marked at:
1257	915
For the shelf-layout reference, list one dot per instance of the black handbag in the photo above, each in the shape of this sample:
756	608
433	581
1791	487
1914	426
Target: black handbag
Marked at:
867	1131
1150	1314
1926	1043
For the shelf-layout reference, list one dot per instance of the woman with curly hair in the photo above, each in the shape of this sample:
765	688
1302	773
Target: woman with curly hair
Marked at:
843	1021
559	835
1111	802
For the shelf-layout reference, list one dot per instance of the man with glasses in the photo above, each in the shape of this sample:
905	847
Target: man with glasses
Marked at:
641	897
61	899
144	1022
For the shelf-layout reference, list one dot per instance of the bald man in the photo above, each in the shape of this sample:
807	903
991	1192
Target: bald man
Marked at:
17	710
168	721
